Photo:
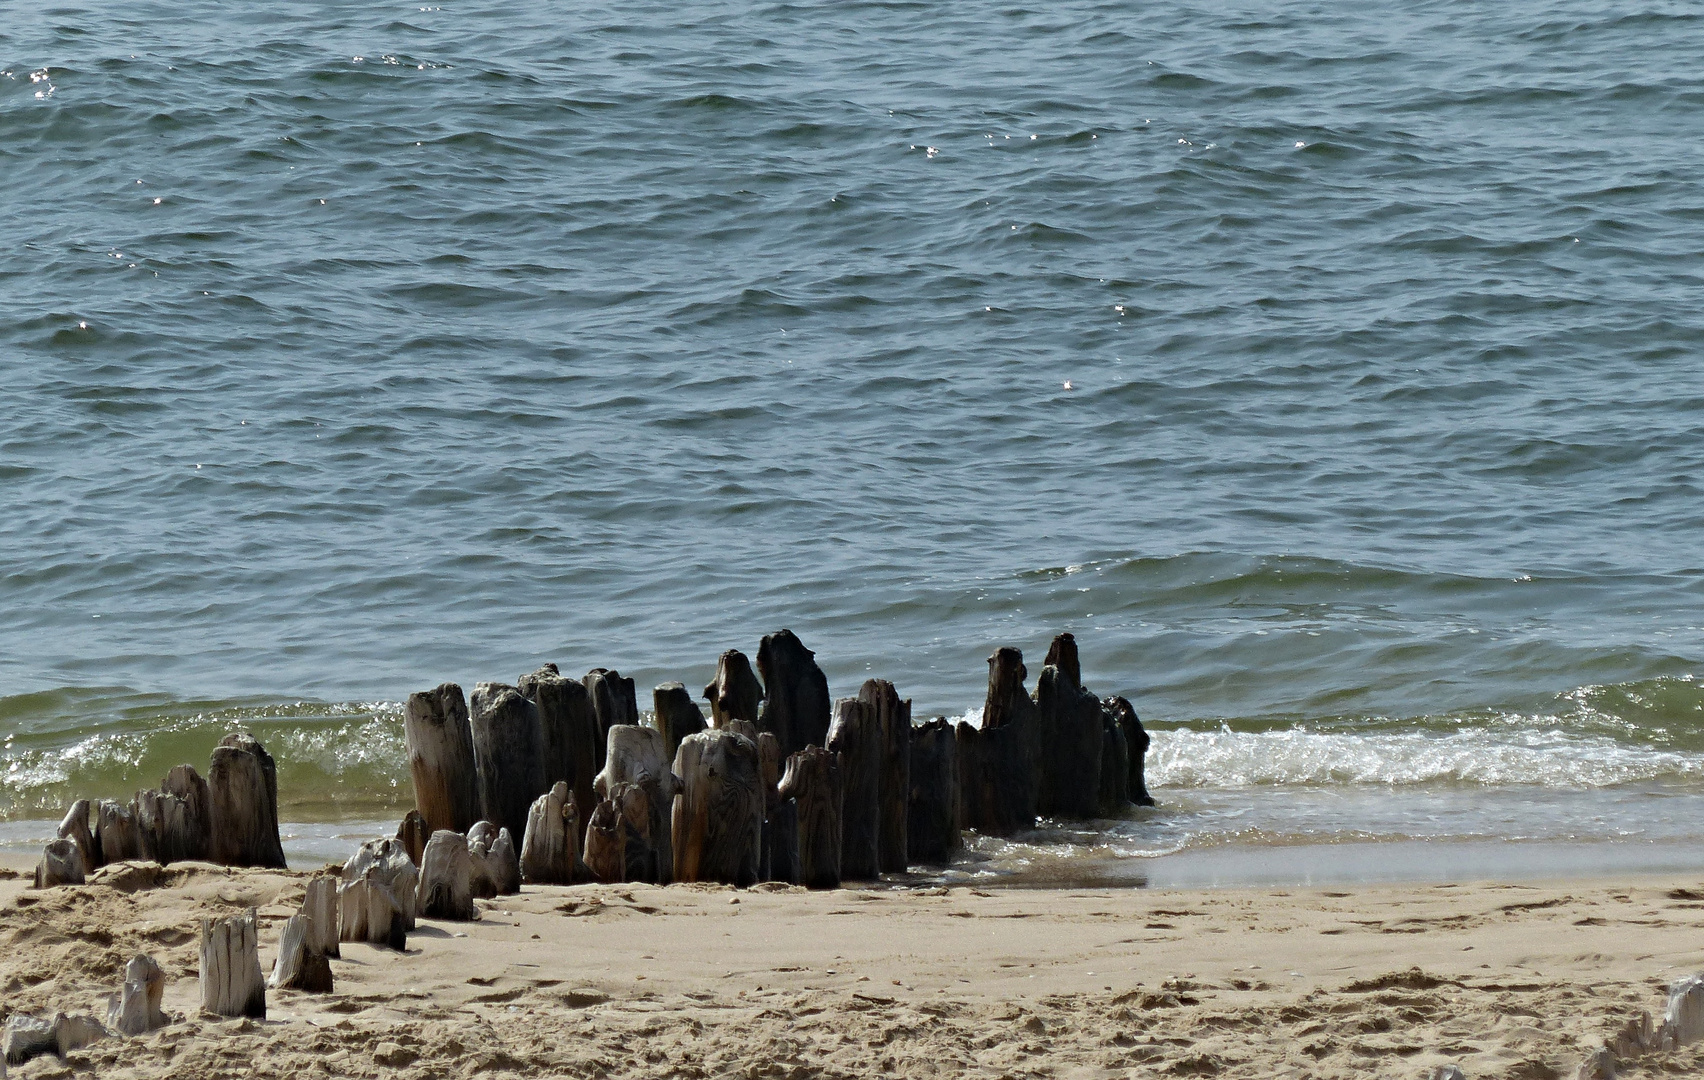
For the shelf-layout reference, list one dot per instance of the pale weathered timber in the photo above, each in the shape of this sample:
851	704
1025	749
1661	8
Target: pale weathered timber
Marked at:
115	832
387	863
1136	747
186	826
319	903
371	912
552	841
75	827
677	715
495	848
242	786
61	864
231	980
639	756
812	783
573	738
718	815
413	834
479	840
932	818
796	703
508	746
299	966
1683	1020
446	878
1115	769
1069	737
613	700
439	735
855	737
26	1037
735	693
893	724
135	1009
606	843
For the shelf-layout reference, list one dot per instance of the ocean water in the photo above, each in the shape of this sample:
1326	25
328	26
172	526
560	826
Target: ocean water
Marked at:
1332	371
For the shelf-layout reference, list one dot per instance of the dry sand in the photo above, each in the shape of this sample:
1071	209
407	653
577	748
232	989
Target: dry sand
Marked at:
1506	980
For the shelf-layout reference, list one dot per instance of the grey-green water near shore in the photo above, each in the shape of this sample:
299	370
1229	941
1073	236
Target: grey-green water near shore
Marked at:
1331	373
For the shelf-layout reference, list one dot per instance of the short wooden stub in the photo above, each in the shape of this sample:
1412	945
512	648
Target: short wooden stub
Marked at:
496	866
231	980
796	704
856	737
115	832
439	734
319	903
622	842
677	715
613	700
299	966
186	823
932	820
508	746
573	739
639	756
997	774
376	900
893	725
552	841
446	878
135	1009
813	783
735	692
413	834
242	784
75	827
1069	738
718	815
61	864
1135	744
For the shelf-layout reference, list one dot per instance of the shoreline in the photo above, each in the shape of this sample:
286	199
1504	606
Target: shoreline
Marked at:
1503	979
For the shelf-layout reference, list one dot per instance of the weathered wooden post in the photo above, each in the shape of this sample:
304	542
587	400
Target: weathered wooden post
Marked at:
677	715
385	864
446	878
997	773
813	783
856	737
1069	737
412	834
893	721
61	864
613	700
186	825
148	811
780	855
933	815
439	736
639	756
115	832
508	747
735	692
319	903
1115	769
75	827
299	967
796	703
135	1009
231	980
718	815
242	785
552	841
573	737
493	852
1122	713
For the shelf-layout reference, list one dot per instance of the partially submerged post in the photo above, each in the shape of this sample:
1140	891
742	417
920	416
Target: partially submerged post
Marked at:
677	715
893	724
439	735
796	703
813	783
446	878
1136	746
735	692
997	775
718	815
508	747
1069	737
855	736
242	784
932	820
231	980
573	738
552	841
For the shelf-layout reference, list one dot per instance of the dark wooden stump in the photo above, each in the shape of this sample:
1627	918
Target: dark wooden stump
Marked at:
856	738
231	980
735	692
61	864
893	721
446	878
677	715
638	756
242	786
1069	737
796	703
614	702
552	841
997	773
115	833
508	748
812	783
439	735
186	829
573	737
412	834
1115	769
932	820
718	815
1136	745
781	843
75	827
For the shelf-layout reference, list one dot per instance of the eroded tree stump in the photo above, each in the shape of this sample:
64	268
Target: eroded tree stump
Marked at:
75	827
997	774
61	864
299	966
796	703
242	785
1115	769
855	736
735	692
639	756
412	834
508	746
115	832
494	860
439	735
135	1009
932	820
186	820
812	783
446	878
552	841
613	700
718	815
319	903
1136	745
573	737
1069	737
677	715
231	980
622	842
893	724
382	865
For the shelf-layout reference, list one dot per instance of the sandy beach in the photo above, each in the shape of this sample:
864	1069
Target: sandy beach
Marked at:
1504	980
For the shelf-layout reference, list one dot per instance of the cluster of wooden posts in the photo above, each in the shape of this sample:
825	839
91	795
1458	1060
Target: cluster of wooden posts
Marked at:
779	784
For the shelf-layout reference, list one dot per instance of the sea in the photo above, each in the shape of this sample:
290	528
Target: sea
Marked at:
1334	372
